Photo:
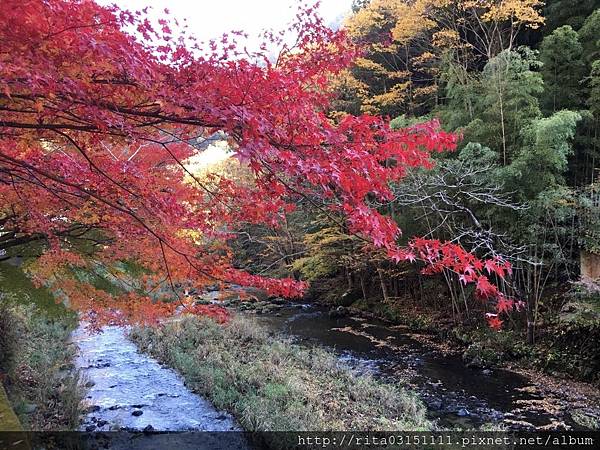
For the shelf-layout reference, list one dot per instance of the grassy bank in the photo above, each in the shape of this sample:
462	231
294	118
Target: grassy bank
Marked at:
35	356
8	419
270	384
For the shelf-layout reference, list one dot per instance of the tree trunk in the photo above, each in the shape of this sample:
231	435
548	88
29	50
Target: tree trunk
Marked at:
384	289
530	321
363	287
503	130
349	279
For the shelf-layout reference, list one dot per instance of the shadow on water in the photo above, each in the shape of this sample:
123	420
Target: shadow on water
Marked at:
455	394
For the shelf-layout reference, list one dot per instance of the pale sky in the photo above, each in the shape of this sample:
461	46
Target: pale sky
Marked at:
208	19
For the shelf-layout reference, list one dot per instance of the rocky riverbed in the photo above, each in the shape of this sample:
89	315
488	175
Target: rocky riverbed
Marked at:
128	390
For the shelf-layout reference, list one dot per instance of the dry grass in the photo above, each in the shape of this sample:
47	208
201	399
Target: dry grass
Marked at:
35	361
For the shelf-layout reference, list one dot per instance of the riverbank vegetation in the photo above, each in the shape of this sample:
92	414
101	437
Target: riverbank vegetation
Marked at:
36	356
271	384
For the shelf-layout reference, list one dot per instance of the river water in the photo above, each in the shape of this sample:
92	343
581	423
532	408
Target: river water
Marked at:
131	391
455	394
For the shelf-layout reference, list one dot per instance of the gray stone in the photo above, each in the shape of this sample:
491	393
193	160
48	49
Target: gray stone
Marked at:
462	412
29	408
435	404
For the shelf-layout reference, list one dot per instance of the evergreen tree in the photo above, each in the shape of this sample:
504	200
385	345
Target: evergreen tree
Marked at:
507	102
593	122
589	35
562	70
541	162
594	100
567	12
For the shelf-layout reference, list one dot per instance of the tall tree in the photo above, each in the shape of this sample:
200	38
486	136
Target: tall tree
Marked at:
505	100
545	228
594	100
562	70
593	125
409	43
567	12
541	161
588	34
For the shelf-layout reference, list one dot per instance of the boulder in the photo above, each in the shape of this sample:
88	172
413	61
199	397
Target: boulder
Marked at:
338	312
349	297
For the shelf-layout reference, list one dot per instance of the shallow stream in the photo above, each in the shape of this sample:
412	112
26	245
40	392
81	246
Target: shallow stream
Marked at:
131	391
455	394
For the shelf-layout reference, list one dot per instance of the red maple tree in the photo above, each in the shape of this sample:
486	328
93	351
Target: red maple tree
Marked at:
96	125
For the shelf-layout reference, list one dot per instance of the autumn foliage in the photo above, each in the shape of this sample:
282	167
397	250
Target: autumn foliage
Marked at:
99	110
409	43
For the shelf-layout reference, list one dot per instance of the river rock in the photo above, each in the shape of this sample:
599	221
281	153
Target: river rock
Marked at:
137	413
259	295
348	297
204	300
435	404
586	418
338	312
463	412
246	306
29	408
474	362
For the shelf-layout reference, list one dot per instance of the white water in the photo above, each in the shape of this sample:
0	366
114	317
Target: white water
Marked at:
133	391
